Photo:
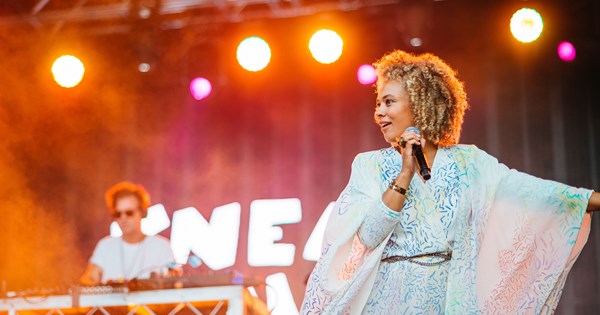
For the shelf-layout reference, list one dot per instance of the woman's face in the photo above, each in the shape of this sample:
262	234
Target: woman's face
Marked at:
392	111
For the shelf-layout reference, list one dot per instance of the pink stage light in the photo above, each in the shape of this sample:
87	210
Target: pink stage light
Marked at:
366	75
200	88
566	51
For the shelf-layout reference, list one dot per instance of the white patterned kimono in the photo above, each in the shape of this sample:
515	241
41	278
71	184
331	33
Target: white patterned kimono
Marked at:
513	238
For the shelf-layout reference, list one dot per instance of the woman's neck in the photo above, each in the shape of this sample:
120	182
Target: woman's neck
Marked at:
429	151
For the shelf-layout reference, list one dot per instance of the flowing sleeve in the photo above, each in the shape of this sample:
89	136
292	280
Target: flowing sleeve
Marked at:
524	235
353	243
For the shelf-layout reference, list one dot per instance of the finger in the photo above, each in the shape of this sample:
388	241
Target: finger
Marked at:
400	142
397	146
411	139
410	134
408	148
415	142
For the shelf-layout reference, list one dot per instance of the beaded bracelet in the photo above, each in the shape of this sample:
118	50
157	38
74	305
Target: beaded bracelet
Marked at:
397	188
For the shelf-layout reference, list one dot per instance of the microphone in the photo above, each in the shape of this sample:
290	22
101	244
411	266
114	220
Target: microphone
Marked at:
420	157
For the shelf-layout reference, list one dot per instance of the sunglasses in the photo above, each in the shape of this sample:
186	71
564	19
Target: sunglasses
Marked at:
126	213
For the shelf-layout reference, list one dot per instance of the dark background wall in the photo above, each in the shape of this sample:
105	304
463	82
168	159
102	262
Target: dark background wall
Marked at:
290	131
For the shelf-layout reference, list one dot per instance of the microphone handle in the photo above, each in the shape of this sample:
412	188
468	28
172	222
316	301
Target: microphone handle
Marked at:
422	162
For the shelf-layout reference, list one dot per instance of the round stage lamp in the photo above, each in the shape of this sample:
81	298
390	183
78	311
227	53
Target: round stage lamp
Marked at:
326	46
200	88
253	54
366	74
526	25
67	71
566	51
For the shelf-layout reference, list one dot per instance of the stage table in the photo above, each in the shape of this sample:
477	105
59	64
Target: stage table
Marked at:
227	299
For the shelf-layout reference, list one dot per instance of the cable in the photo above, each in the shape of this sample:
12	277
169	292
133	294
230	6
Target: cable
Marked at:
169	265
30	301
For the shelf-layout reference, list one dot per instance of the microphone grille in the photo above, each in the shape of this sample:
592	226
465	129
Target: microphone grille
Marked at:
415	129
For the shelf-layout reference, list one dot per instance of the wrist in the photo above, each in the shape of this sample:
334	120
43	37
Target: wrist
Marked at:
405	175
397	188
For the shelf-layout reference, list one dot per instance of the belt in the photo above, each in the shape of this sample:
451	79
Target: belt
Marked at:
444	256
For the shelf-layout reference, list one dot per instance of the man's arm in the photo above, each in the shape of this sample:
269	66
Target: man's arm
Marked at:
91	276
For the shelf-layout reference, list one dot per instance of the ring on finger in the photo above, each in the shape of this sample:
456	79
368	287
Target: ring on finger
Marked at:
402	142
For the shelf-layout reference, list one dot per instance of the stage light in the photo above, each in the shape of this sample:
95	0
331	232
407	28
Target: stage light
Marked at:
326	46
67	71
144	67
253	54
200	88
526	25
566	51
144	13
366	75
416	42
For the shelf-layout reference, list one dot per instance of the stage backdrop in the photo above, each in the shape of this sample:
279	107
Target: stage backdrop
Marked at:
267	148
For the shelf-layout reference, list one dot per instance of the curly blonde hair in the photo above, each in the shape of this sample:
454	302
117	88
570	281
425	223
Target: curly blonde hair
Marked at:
124	189
437	98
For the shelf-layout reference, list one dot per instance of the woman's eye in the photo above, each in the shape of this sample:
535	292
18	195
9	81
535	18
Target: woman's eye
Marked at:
388	102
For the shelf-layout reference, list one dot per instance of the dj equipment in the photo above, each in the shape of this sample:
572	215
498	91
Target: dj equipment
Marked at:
217	291
200	280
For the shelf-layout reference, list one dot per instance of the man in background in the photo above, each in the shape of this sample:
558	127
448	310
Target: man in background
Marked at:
133	255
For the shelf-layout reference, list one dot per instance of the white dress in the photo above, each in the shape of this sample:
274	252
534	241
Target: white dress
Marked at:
513	239
425	226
